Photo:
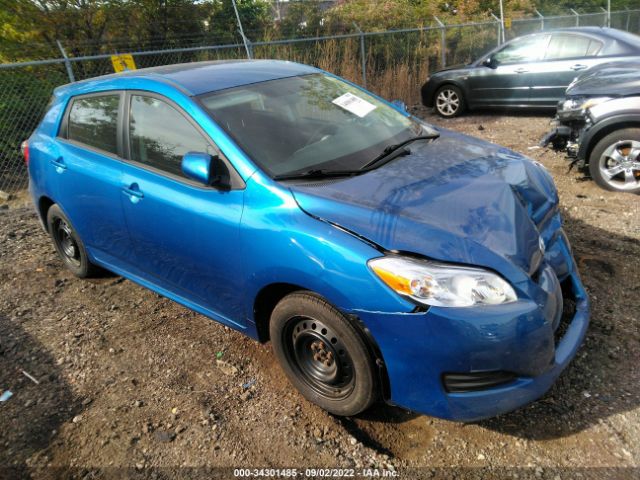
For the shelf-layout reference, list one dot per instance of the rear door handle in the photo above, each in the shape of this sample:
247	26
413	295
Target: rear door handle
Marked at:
133	192
521	70
59	164
578	66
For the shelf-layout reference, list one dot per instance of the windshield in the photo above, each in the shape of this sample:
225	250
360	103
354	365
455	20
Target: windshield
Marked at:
308	122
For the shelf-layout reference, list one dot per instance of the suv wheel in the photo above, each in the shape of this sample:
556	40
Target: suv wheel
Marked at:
323	354
68	244
449	101
614	162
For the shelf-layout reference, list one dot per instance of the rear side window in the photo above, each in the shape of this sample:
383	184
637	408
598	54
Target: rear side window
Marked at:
160	135
93	121
571	46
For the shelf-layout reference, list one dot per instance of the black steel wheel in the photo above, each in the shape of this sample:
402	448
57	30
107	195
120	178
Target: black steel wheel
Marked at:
63	236
323	354
319	356
68	244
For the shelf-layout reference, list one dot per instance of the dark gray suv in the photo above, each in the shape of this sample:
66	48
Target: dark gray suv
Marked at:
598	124
529	71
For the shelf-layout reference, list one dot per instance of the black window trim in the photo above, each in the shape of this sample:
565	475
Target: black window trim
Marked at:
63	129
235	180
122	137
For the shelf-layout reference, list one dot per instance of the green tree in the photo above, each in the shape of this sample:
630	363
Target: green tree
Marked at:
255	16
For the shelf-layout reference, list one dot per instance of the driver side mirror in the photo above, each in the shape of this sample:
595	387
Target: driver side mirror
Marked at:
198	166
399	104
490	62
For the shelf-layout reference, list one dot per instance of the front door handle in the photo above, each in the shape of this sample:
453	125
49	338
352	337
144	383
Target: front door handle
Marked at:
578	66
59	164
521	70
133	192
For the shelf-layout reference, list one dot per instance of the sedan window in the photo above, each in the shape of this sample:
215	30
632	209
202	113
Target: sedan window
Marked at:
571	46
526	49
594	48
93	121
159	135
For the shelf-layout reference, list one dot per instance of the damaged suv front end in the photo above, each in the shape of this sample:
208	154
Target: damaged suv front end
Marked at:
571	120
598	125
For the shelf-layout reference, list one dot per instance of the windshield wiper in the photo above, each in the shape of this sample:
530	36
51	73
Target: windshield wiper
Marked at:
387	156
318	173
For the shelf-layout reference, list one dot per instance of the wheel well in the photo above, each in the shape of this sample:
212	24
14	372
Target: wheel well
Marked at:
606	131
265	302
44	204
268	298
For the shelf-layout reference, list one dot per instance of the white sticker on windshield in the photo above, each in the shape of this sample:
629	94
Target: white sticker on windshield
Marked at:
354	104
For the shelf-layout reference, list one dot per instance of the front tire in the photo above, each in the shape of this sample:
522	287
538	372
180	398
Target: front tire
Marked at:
69	245
323	354
614	162
449	101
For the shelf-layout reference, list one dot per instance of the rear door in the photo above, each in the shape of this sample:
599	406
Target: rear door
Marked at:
87	166
185	234
567	56
506	82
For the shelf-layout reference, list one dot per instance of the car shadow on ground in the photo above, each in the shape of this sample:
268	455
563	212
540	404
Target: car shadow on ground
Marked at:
30	419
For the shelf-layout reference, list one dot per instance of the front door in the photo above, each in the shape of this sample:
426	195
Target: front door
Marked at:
185	235
506	81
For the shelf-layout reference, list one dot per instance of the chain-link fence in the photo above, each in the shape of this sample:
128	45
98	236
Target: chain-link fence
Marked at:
393	64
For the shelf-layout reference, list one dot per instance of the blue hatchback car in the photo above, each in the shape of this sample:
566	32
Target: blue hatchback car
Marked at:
381	256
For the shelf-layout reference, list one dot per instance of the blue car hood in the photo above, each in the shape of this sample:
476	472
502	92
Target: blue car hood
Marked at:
455	199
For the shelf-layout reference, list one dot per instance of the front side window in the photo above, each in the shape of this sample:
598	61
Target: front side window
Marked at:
93	121
307	122
160	135
571	46
527	49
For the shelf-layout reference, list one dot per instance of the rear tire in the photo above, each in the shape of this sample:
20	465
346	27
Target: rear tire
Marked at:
449	101
614	163
323	355
69	245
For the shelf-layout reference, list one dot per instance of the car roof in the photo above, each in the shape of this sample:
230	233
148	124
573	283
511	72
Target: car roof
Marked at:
196	78
603	32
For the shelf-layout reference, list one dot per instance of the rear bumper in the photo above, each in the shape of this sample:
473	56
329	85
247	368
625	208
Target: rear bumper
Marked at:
419	348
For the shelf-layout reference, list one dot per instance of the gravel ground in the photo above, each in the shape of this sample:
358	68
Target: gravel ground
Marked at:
132	384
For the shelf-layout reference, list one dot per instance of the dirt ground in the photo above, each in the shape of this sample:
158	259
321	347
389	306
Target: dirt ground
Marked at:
129	385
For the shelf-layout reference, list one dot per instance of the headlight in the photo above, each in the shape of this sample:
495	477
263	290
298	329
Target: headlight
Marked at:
572	104
440	284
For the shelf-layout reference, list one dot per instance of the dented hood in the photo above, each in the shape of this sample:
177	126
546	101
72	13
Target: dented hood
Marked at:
455	199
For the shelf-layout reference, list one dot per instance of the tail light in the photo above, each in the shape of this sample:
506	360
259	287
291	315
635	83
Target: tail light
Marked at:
25	151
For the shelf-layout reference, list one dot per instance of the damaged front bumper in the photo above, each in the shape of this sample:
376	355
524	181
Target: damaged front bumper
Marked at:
469	364
561	134
565	135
